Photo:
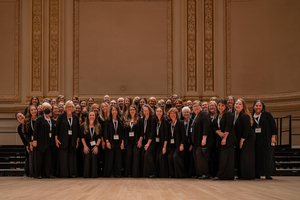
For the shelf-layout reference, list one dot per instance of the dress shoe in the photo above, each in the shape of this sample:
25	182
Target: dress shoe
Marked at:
216	178
51	176
204	177
269	178
39	177
152	176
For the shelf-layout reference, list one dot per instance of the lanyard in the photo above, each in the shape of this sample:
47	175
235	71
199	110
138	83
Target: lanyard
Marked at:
92	131
49	122
31	125
257	121
235	117
157	128
172	128
212	119
131	125
115	126
145	125
219	119
194	120
187	128
70	122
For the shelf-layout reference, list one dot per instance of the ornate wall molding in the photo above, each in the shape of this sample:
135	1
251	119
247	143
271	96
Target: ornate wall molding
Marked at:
191	46
53	45
17	24
36	46
169	46
208	46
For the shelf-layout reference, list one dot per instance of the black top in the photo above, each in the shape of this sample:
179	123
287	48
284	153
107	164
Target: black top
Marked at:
187	128
41	133
137	129
200	128
243	128
29	132
102	123
22	136
162	132
226	125
150	128
62	129
178	134
110	132
86	135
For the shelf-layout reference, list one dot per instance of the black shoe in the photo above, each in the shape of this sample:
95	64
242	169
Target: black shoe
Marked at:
257	177
73	176
204	177
216	178
51	177
39	177
152	176
195	177
269	178
117	176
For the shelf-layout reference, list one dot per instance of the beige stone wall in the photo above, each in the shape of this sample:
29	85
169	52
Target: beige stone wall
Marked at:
194	48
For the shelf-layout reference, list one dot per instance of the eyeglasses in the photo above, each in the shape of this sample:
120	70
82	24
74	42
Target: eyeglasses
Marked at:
132	109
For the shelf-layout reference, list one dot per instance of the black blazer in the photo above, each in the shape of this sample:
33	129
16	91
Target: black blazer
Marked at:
150	129
179	134
86	135
136	128
102	123
189	136
226	125
163	133
110	131
22	136
200	128
243	128
62	128
41	133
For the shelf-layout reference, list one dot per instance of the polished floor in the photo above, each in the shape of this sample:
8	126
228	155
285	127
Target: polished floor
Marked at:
281	187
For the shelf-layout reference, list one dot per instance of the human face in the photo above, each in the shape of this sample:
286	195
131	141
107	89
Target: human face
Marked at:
77	109
196	108
33	111
221	108
39	108
53	102
106	98
96	109
159	113
114	112
204	106
169	101
104	107
212	108
174	98
113	103
127	102
83	104
61	99
20	118
161	105
258	107
69	108
173	116
230	102
152	103
55	110
75	101
84	110
142	102
34	101
91	102
189	104
61	107
146	111
92	117
178	106
132	112
186	114
121	102
238	106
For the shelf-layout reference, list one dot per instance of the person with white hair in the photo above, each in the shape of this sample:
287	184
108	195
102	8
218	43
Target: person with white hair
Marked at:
43	141
66	139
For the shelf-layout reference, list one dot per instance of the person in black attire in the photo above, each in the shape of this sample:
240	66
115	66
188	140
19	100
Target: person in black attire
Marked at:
201	137
161	141
230	103
223	126
133	143
33	101
114	137
28	130
90	138
43	135
245	141
67	139
177	143
148	153
265	130
20	117
189	159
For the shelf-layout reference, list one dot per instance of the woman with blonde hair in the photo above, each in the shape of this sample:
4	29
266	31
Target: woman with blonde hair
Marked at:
245	137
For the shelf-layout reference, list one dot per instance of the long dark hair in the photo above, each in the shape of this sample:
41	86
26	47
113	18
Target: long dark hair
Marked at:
222	101
28	118
32	99
263	105
139	107
162	117
87	124
128	117
118	114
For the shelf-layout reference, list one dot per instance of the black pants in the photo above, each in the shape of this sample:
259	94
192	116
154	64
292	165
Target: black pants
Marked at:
90	168
201	158
246	160
162	163
149	160
67	162
113	161
176	163
44	161
133	160
226	162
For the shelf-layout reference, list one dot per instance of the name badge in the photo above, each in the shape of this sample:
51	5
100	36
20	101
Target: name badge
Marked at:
50	135
93	143
258	130
172	141
191	130
70	132
116	137
157	139
31	137
131	134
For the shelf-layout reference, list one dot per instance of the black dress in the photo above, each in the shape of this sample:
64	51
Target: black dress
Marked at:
200	128
214	156
264	151
32	154
102	153
44	135
132	135
90	160
189	158
161	136
25	141
226	152
245	155
149	156
114	133
175	156
68	137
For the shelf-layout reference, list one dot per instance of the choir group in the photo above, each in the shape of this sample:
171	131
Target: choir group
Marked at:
219	139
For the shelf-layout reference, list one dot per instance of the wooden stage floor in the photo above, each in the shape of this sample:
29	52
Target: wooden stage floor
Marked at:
282	187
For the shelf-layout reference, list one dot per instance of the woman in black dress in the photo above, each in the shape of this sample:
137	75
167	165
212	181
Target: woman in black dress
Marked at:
133	143
265	130
114	137
245	141
148	153
90	138
67	140
43	142
161	141
223	126
214	157
177	143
